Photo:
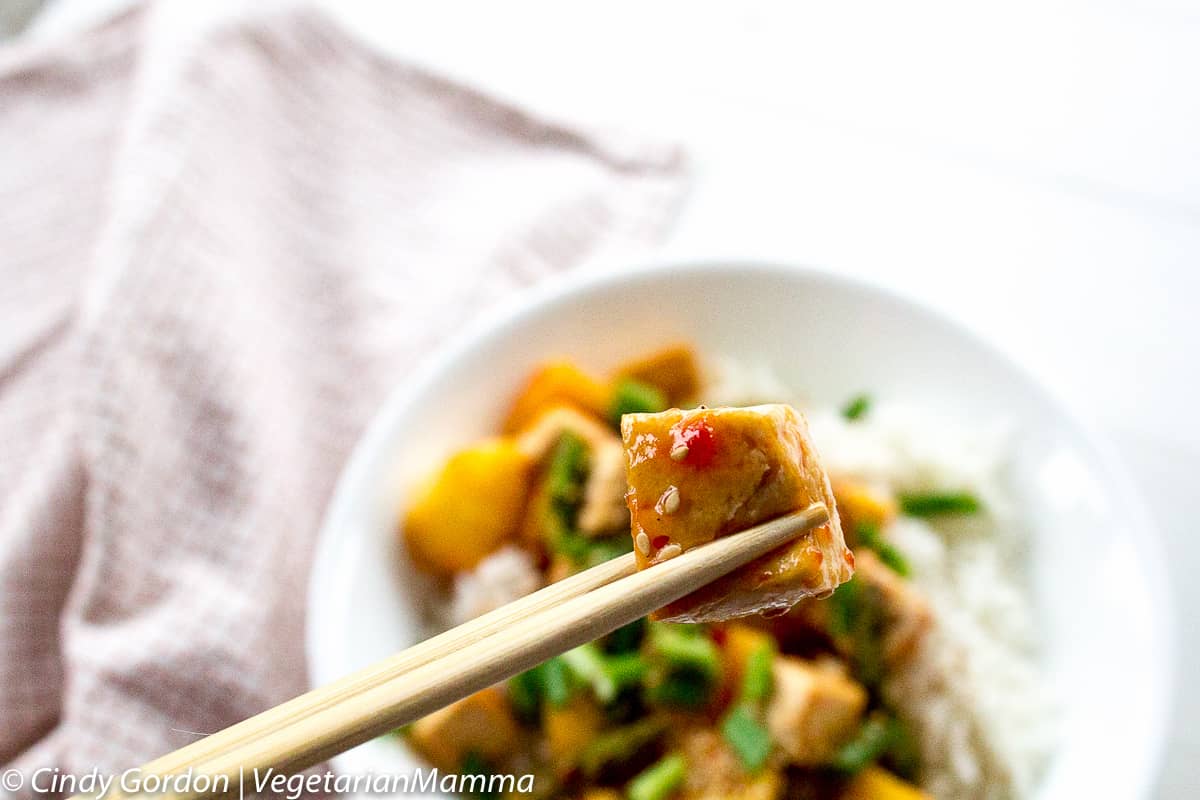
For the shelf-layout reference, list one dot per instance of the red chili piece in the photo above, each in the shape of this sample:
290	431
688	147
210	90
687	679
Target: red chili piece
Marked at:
697	436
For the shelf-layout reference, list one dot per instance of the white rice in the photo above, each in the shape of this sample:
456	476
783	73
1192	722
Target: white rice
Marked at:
506	575
973	694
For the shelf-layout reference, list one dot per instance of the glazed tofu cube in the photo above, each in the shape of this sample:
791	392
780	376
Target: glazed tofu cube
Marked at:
903	615
697	475
480	724
603	509
904	610
814	710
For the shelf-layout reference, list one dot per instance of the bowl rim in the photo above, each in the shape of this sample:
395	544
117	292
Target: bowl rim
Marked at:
598	276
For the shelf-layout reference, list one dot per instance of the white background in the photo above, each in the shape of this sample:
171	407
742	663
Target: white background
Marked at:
1030	168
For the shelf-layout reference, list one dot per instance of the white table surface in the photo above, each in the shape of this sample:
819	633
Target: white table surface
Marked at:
1030	168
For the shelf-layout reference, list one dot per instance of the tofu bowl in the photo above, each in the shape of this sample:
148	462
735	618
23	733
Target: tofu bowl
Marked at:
1017	633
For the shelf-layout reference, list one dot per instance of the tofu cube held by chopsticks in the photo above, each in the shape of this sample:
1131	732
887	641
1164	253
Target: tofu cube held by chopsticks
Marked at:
698	475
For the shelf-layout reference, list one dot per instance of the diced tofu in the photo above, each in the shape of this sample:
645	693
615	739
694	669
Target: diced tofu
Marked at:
480	724
903	613
472	507
673	371
604	509
876	783
538	438
906	613
714	772
813	711
557	383
697	475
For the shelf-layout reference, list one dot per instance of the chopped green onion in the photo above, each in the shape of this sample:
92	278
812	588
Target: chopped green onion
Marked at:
606	548
587	662
757	682
747	736
568	465
858	406
572	544
564	481
634	397
893	558
587	551
870	537
474	764
843	606
607	675
659	781
619	744
856	615
625	669
903	754
626	638
871	742
684	688
557	686
928	504
686	665
525	692
684	647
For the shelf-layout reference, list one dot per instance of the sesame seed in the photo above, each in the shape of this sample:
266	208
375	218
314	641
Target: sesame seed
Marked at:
679	452
643	543
669	552
670	500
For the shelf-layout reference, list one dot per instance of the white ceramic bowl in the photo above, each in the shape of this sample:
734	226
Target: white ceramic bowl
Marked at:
1098	571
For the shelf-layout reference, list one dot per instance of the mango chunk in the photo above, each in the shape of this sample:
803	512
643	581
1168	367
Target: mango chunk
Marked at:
698	475
876	783
481	724
863	504
557	383
739	643
472	506
601	793
571	728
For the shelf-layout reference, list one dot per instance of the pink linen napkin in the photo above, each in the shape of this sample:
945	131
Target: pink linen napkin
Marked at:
221	244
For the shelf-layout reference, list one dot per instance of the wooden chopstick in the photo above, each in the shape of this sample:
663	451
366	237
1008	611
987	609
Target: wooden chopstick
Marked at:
429	650
466	659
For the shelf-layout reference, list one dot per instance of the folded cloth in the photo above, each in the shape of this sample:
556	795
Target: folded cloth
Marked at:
223	243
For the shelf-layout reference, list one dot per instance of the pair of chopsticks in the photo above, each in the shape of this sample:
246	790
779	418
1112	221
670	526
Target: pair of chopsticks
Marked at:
450	666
